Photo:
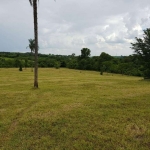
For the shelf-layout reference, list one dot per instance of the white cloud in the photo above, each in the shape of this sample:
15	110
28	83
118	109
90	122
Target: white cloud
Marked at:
69	25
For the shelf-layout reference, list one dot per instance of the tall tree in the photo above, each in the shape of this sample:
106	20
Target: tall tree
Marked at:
84	60
34	4
85	52
142	49
104	57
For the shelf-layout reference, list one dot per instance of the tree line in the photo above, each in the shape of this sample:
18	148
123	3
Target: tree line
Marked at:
125	65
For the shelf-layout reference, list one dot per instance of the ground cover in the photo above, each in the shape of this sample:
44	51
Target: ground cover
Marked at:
73	110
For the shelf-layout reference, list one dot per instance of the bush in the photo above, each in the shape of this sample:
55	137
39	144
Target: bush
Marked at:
20	68
57	65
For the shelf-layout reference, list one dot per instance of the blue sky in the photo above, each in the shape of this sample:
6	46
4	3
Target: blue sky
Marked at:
65	27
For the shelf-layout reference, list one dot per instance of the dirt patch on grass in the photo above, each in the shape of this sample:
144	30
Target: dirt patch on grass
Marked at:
69	107
135	131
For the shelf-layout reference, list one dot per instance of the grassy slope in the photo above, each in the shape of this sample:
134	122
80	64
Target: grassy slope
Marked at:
73	110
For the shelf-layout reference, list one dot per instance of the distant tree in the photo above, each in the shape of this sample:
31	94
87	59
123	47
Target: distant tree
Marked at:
20	67
31	45
26	63
16	62
104	62
102	69
73	54
142	49
104	57
83	59
85	52
73	63
32	48
57	65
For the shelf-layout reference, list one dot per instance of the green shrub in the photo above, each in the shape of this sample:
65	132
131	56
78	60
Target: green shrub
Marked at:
57	65
20	68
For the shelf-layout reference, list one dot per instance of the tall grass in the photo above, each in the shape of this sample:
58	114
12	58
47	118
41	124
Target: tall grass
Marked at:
73	110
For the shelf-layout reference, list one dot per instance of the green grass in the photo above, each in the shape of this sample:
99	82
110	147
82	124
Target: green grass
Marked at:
73	110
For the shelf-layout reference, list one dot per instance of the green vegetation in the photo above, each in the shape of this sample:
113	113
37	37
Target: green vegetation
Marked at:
142	49
125	65
73	110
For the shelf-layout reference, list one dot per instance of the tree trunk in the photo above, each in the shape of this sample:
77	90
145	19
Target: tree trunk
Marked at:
32	60
36	43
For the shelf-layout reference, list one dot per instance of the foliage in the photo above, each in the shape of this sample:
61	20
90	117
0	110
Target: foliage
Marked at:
57	65
125	65
102	69
85	52
32	48
84	62
104	57
142	49
26	63
20	67
31	45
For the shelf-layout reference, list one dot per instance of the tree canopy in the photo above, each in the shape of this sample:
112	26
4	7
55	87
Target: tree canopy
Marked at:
142	49
31	45
85	52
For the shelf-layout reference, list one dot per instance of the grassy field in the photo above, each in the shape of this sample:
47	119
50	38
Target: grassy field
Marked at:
73	110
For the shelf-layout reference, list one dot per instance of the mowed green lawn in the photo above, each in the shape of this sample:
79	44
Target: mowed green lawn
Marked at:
73	110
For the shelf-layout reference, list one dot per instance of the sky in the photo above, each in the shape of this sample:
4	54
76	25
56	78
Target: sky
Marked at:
67	26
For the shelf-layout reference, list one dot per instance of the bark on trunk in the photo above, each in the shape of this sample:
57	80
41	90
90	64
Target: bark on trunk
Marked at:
36	43
32	59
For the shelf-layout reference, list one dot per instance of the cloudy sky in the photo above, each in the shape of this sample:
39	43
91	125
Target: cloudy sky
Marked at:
66	26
